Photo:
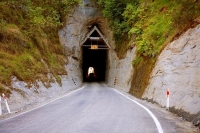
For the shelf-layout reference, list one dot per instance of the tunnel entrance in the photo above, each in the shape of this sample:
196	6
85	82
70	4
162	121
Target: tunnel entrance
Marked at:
94	56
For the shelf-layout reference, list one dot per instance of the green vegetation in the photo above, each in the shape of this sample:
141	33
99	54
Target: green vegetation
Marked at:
29	43
113	10
151	25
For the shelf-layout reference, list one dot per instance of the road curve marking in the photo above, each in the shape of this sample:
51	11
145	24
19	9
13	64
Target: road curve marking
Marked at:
158	125
44	104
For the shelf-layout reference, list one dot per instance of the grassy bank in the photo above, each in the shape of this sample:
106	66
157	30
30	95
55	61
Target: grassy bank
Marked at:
29	43
151	25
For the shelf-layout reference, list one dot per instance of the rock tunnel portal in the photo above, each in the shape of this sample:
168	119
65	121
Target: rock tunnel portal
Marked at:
94	56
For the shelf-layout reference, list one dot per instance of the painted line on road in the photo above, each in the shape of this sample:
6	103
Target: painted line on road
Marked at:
44	104
158	125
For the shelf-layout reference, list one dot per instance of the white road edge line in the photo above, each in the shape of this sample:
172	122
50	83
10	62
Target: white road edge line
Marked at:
158	125
44	104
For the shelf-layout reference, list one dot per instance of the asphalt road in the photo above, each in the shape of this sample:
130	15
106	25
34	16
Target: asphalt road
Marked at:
92	109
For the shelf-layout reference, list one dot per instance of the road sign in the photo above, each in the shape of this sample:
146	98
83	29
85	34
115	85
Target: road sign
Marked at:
94	47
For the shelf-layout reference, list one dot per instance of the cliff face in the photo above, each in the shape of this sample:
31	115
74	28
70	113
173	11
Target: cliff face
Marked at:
79	24
178	68
121	71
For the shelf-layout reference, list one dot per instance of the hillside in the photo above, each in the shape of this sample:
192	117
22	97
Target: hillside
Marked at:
29	42
150	26
30	47
42	54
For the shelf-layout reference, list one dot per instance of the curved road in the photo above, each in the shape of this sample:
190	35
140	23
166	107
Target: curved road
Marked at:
93	109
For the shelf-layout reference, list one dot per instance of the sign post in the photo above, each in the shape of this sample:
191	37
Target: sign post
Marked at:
115	81
4	97
0	107
167	106
94	47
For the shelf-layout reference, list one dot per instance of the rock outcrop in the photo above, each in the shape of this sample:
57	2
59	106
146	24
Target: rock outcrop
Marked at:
178	68
24	97
121	71
78	25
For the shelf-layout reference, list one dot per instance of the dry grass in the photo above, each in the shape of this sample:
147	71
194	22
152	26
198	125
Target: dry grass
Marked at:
27	52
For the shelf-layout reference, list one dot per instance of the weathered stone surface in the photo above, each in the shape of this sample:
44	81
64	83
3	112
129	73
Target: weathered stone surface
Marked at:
122	71
23	97
178	68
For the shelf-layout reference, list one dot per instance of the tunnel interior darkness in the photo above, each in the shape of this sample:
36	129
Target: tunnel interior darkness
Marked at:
96	58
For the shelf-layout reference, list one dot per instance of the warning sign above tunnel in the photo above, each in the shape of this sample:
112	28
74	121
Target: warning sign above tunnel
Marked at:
95	40
94	46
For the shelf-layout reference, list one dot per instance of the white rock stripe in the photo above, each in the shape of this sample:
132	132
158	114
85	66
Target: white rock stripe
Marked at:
158	125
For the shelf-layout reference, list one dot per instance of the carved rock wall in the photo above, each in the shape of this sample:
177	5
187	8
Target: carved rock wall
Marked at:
121	71
178	68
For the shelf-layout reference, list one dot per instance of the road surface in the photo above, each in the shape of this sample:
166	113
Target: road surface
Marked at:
93	109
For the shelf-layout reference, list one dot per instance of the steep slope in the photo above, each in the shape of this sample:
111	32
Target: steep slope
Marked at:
178	68
32	60
29	43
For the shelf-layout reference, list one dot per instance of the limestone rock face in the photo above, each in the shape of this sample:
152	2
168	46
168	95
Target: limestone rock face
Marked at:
121	71
24	97
178	68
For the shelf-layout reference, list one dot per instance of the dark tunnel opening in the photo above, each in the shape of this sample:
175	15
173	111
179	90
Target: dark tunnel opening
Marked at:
95	58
